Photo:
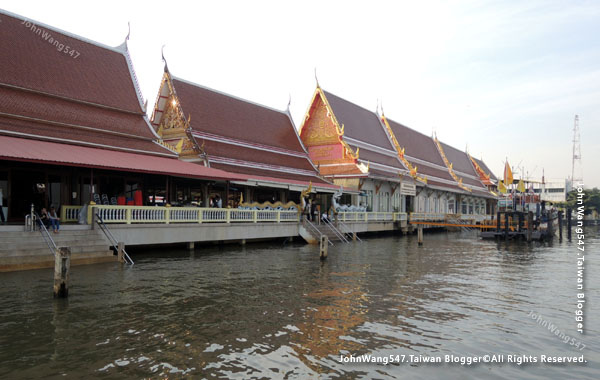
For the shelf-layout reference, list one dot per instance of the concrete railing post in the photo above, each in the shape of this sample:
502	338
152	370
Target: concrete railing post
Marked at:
62	264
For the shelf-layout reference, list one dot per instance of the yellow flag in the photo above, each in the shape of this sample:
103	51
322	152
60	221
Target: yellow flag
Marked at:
521	186
501	187
508	177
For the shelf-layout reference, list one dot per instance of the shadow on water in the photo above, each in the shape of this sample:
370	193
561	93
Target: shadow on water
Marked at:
274	310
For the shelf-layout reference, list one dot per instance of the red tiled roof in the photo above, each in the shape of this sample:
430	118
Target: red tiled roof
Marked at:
224	115
18	149
279	177
236	152
359	123
98	75
416	144
45	116
89	97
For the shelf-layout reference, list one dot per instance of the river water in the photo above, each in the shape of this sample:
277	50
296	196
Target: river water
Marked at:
275	311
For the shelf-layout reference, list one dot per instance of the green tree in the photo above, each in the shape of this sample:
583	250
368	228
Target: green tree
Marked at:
591	200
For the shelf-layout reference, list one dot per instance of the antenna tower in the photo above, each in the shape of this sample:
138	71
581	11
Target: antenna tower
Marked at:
576	167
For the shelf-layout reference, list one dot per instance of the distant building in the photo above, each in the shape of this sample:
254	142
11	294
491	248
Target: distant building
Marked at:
550	191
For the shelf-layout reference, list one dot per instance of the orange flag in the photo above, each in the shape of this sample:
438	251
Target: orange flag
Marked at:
508	177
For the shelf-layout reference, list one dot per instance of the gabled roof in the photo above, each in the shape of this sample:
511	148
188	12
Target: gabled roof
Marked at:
86	95
359	123
462	165
363	130
244	137
485	168
415	144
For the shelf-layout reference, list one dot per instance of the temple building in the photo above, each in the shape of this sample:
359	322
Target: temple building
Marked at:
394	167
73	126
222	131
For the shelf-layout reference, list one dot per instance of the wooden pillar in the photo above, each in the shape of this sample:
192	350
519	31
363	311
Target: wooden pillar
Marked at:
226	200
121	252
529	225
62	264
324	244
420	234
520	222
560	224
167	197
506	214
205	202
569	224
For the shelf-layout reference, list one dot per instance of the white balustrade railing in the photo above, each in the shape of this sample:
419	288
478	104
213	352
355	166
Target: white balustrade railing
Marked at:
354	216
166	215
69	213
426	216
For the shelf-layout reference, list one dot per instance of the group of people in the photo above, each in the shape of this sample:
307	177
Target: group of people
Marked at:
50	218
216	201
312	212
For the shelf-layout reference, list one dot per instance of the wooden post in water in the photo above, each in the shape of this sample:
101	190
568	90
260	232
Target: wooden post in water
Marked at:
498	222
506	226
190	245
62	263
560	223
520	221
354	236
121	252
420	234
529	225
569	224
324	244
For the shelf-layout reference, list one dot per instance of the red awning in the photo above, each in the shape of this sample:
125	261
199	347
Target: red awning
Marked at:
18	149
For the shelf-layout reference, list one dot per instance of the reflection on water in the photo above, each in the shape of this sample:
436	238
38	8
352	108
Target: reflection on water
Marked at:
273	311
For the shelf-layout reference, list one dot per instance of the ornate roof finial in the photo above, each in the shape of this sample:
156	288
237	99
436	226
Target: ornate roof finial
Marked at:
162	52
128	31
317	79
381	106
289	102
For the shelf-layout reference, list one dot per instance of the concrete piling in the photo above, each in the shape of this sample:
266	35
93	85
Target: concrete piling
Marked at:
121	252
560	225
190	245
62	264
323	246
506	226
569	224
529	225
420	234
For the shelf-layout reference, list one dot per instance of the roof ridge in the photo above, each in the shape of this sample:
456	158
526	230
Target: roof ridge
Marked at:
347	101
116	49
173	77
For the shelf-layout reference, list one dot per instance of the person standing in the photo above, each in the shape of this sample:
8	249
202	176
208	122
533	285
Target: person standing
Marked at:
308	210
2	218
219	201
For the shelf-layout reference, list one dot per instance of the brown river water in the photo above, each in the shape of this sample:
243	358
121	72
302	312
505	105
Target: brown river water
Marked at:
273	310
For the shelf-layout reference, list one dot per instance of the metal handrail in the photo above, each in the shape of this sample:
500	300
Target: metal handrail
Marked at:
345	226
337	232
111	238
315	229
45	234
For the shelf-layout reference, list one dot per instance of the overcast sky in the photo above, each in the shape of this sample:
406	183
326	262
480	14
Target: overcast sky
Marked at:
503	78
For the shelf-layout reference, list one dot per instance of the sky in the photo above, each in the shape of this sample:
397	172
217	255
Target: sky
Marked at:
502	79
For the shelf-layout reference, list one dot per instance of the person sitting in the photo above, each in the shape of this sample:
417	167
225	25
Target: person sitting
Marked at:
325	217
44	218
54	220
